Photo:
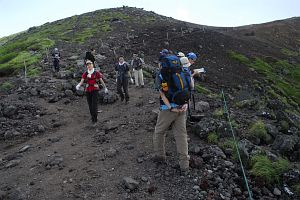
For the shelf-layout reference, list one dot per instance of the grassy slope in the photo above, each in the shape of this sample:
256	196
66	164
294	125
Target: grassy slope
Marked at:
283	77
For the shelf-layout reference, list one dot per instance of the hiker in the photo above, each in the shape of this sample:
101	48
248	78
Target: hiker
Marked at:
137	65
123	74
180	55
186	68
89	55
174	96
192	59
56	59
92	78
142	56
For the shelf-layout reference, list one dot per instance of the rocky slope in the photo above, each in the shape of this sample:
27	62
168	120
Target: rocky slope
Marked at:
49	150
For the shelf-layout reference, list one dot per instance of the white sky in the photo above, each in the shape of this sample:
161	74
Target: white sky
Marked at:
19	15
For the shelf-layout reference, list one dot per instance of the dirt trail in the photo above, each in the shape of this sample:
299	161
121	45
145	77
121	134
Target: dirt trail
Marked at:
91	160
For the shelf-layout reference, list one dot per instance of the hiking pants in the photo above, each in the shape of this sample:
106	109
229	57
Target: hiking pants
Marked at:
138	77
123	83
178	121
92	99
56	65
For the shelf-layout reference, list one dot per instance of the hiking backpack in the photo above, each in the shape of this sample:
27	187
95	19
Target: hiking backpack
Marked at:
176	79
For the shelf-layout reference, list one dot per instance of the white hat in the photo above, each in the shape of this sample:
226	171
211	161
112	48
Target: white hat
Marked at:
88	62
180	54
185	62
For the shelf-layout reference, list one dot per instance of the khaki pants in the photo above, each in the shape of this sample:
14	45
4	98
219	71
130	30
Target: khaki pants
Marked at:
165	119
138	77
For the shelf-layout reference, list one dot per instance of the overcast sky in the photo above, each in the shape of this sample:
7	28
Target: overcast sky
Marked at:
19	15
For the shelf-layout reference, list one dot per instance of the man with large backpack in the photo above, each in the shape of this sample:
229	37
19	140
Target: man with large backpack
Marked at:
174	97
137	66
56	59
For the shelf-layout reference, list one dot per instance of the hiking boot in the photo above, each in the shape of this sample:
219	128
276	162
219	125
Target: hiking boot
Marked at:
142	86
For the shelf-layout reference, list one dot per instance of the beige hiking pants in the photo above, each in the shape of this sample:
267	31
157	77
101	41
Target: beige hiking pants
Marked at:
165	119
138	77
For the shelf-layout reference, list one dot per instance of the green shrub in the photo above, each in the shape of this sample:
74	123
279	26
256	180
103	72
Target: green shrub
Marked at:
270	171
147	74
201	89
259	130
289	52
212	138
239	57
218	113
284	125
7	57
230	144
33	71
6	85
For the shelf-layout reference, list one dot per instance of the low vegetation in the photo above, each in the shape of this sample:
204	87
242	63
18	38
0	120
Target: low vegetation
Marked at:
218	113
34	71
6	86
283	76
268	170
202	90
212	138
258	129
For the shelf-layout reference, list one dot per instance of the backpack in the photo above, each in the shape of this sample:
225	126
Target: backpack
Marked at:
137	64
176	80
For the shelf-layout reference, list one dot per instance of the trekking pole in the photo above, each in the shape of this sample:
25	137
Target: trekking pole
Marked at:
167	36
193	98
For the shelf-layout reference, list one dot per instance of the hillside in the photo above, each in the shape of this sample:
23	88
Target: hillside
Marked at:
49	150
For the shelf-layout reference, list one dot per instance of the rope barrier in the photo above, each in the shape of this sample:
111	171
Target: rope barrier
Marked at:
236	146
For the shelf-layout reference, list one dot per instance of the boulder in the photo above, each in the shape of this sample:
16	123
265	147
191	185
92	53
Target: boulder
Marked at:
67	86
272	130
10	110
202	106
130	183
69	93
285	143
107	98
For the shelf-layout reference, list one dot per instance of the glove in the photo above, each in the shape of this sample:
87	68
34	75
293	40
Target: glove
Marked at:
131	80
105	90
77	87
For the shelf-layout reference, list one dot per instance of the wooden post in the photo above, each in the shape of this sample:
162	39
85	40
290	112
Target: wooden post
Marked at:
25	73
167	36
115	53
144	43
181	32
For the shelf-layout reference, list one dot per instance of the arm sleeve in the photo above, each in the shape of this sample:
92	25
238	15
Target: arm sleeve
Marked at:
116	67
99	75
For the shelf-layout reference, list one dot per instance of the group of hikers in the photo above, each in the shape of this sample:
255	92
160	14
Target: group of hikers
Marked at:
175	82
